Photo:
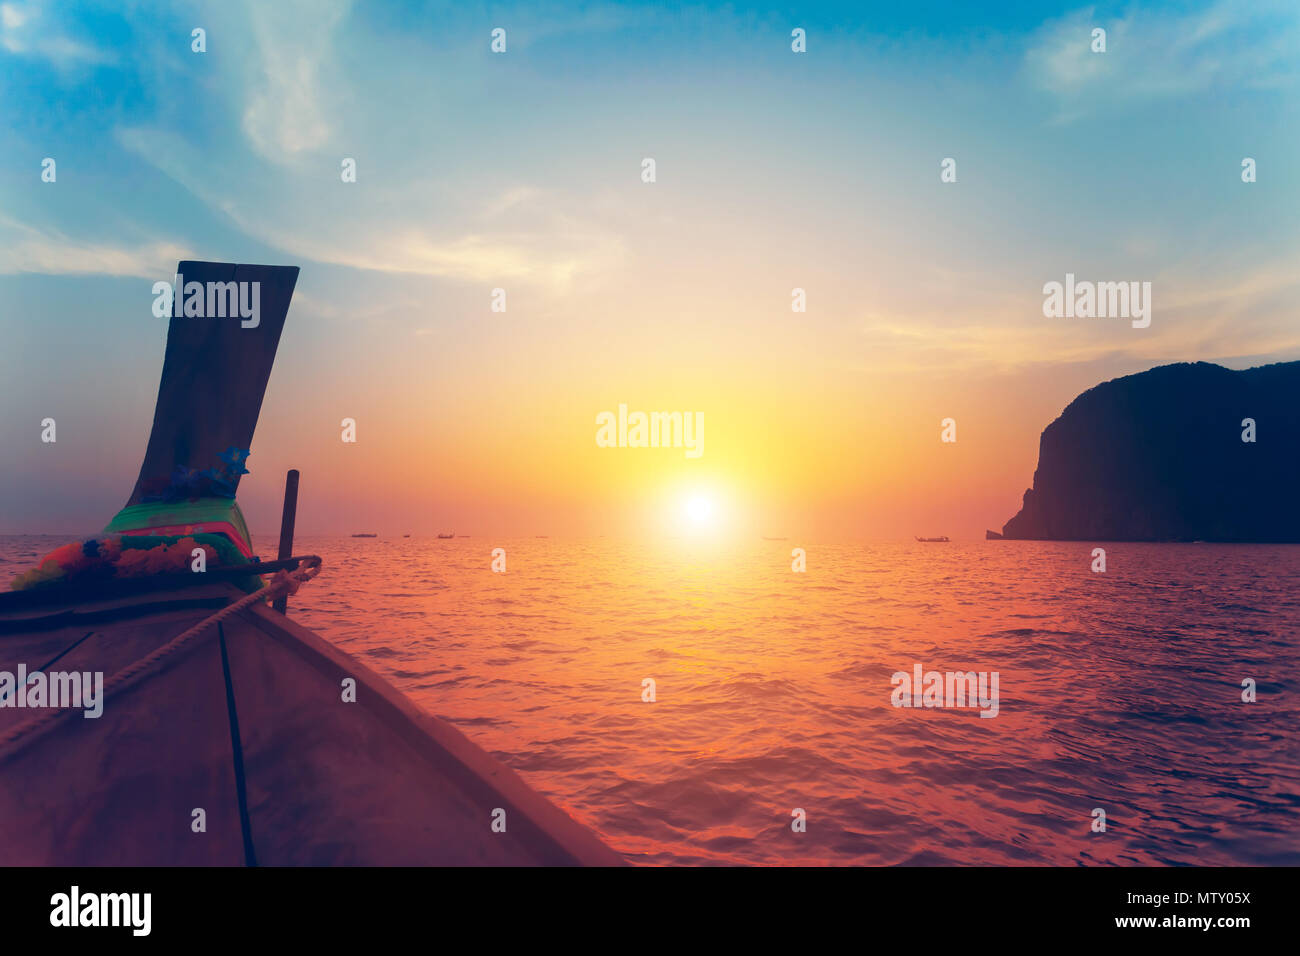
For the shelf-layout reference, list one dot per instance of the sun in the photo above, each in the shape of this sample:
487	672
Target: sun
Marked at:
699	512
699	509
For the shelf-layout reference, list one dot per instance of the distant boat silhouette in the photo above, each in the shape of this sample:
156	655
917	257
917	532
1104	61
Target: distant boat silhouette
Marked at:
541	536
406	536
940	540
452	535
365	536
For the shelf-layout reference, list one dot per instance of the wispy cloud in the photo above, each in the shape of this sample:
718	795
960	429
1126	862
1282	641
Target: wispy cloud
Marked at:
1198	315
294	41
24	32
533	237
1151	55
49	252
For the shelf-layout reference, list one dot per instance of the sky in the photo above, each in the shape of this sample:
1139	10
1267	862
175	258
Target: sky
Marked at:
522	171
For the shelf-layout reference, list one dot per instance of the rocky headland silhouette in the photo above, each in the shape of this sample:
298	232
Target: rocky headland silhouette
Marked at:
1185	452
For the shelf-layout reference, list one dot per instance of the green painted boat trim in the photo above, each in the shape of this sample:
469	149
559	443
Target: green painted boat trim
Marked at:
163	514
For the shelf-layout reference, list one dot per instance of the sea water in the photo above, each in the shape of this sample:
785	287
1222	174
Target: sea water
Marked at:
1120	691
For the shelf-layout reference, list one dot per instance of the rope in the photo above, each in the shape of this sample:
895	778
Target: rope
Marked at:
282	582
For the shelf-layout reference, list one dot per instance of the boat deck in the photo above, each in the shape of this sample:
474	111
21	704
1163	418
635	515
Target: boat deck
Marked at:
375	782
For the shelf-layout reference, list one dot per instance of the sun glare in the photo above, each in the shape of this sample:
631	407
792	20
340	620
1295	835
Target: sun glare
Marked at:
699	509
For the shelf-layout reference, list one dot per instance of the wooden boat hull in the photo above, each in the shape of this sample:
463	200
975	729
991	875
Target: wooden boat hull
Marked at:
239	747
324	781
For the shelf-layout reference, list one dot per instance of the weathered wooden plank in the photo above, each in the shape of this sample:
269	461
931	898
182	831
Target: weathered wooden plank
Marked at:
328	782
120	790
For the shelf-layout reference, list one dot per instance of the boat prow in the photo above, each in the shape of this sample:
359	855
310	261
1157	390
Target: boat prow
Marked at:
207	728
288	750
